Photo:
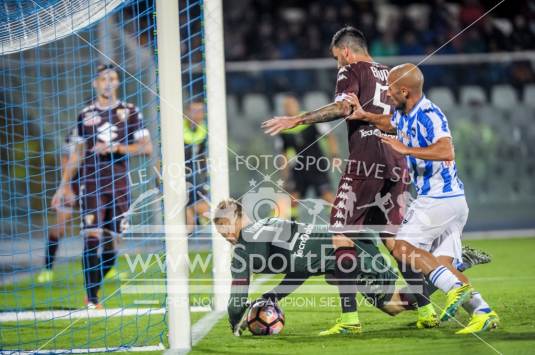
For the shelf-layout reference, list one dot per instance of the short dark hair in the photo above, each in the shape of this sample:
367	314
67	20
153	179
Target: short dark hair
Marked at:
103	67
350	37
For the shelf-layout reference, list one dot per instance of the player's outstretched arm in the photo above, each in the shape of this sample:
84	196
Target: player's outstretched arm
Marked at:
288	285
327	113
381	121
442	150
238	305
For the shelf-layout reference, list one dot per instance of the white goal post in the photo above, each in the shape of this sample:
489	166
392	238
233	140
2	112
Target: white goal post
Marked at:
167	18
217	142
174	187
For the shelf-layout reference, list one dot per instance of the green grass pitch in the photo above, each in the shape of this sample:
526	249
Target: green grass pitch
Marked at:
508	284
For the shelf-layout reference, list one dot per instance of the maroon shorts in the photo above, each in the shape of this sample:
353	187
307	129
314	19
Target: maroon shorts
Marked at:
104	209
364	204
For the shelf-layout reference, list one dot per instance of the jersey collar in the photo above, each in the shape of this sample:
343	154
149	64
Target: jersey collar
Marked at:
109	107
417	106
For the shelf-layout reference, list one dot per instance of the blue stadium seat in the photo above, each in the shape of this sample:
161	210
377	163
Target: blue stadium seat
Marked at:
277	103
504	96
232	107
529	95
256	107
443	97
471	94
314	99
521	115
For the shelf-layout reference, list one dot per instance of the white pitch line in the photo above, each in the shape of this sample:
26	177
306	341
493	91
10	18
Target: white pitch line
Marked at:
85	313
204	325
159	347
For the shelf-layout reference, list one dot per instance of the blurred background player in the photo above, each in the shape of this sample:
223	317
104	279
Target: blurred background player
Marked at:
301	144
195	143
63	214
108	131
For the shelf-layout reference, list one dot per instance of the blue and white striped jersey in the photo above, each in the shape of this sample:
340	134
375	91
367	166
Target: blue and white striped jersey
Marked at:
423	126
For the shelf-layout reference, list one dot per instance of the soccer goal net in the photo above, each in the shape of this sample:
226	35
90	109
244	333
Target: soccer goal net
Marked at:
102	176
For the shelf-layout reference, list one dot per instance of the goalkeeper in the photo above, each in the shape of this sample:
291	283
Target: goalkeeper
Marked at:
276	246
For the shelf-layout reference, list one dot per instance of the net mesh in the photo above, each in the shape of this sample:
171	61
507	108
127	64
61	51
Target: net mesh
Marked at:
50	51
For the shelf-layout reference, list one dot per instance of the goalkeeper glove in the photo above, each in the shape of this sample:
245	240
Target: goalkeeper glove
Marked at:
239	327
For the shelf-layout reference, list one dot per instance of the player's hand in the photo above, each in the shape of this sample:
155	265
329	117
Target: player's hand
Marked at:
238	328
358	112
277	124
105	148
64	196
396	145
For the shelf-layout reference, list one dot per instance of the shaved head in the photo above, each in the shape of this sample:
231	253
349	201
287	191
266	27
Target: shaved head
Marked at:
408	75
405	85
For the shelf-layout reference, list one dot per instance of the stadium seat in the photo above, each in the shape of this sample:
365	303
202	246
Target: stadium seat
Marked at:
471	94
504	96
232	107
529	95
277	103
456	114
521	115
314	99
443	97
256	107
491	115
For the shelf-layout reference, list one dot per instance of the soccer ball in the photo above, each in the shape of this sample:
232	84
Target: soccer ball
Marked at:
265	318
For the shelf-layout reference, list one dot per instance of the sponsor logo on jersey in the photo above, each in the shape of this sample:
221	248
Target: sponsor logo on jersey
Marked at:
303	239
89	219
374	132
107	132
91	119
122	113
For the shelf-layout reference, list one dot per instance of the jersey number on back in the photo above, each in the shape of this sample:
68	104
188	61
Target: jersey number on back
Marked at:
377	98
281	237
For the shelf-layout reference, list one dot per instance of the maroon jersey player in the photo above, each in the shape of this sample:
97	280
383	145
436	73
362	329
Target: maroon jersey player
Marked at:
108	132
371	190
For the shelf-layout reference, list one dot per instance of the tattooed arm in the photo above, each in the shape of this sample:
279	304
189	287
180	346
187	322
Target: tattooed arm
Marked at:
330	112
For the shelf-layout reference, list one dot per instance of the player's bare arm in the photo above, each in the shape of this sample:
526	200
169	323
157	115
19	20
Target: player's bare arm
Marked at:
380	121
442	150
64	191
327	113
143	146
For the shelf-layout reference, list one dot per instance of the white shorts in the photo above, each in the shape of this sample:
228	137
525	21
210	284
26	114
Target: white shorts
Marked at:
436	225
